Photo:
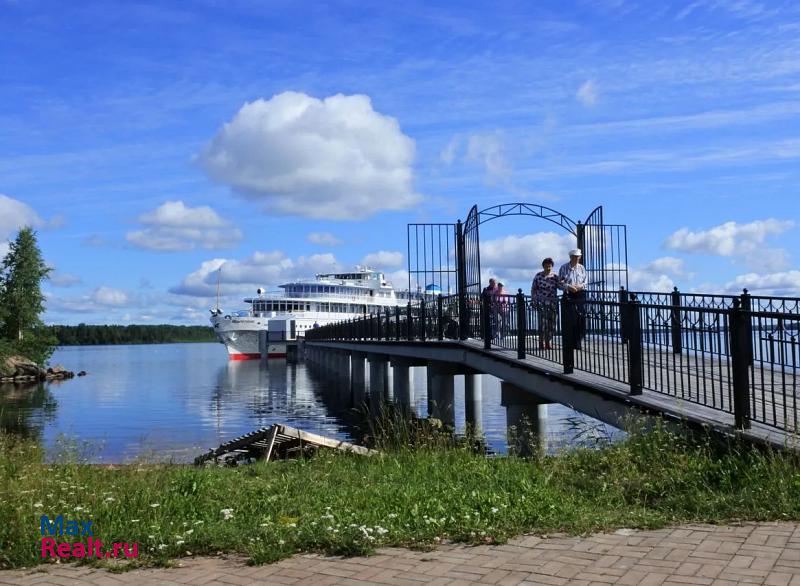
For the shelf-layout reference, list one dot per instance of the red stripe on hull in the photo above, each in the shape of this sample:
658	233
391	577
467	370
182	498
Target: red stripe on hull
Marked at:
276	355
248	356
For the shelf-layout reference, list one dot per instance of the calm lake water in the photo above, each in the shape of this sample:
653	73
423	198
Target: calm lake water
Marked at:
175	401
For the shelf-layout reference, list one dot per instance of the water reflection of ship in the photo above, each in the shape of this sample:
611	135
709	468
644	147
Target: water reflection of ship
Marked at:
274	392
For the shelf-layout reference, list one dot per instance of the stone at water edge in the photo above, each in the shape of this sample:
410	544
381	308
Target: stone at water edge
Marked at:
21	366
19	369
57	369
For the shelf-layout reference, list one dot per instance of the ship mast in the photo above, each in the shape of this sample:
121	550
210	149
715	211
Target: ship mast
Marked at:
219	274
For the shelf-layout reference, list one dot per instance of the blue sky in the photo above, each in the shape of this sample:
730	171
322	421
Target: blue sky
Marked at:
151	142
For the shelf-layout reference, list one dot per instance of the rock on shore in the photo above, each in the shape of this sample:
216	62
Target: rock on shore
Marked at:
18	369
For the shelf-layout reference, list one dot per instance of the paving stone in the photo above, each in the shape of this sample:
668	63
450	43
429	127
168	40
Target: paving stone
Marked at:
767	553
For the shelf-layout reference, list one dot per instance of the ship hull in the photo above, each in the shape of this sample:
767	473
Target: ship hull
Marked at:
239	336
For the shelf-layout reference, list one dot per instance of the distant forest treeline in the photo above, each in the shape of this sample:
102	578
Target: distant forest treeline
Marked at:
88	335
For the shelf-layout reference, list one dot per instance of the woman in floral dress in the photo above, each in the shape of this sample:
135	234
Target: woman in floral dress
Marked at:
544	297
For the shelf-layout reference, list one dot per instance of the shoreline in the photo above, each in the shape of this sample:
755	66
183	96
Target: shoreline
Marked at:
340	504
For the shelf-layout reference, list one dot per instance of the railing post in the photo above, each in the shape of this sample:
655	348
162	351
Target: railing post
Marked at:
623	315
567	334
397	322
486	320
675	322
522	324
463	315
423	318
378	324
747	307
440	317
634	345
741	341
409	325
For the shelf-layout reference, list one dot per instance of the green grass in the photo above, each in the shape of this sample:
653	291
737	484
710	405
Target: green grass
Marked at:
343	504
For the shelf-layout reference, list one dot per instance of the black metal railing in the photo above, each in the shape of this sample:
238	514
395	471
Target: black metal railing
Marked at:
735	354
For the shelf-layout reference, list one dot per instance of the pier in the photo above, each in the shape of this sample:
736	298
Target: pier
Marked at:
728	362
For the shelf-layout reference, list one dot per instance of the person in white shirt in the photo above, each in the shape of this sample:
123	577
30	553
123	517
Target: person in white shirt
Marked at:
572	279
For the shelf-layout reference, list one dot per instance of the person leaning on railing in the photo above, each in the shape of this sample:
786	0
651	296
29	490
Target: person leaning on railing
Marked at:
572	279
544	299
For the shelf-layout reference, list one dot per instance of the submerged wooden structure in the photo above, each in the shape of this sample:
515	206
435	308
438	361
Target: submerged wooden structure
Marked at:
277	442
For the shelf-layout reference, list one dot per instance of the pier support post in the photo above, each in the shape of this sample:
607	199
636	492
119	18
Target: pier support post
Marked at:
358	379
378	375
441	393
473	398
527	415
402	381
343	364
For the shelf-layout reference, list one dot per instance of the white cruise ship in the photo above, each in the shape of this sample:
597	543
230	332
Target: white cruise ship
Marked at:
305	304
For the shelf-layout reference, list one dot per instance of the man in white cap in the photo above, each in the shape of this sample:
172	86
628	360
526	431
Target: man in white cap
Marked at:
572	279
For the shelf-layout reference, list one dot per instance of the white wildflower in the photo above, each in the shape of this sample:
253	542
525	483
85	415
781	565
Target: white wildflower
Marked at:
155	505
38	505
226	514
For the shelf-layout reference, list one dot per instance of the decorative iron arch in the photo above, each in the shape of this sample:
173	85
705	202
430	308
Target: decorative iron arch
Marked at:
529	209
441	256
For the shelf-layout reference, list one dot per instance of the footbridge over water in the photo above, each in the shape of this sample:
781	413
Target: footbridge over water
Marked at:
725	361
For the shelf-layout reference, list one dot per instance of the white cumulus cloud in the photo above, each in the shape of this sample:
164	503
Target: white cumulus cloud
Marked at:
15	215
62	279
525	253
261	269
109	296
174	226
324	239
383	259
335	158
488	150
587	93
786	283
728	239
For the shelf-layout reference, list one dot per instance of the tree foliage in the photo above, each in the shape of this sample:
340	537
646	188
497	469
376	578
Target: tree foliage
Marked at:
84	334
21	299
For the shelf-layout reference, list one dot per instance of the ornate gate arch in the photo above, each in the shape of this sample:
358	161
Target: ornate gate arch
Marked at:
445	258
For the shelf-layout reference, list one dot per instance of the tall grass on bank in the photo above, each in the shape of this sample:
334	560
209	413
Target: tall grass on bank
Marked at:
409	496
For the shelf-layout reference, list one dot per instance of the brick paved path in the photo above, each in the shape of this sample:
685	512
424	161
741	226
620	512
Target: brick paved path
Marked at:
754	553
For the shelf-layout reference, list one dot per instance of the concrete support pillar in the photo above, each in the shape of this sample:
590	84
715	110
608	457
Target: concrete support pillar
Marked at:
358	378
378	376
441	393
388	383
473	400
343	364
527	414
402	383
